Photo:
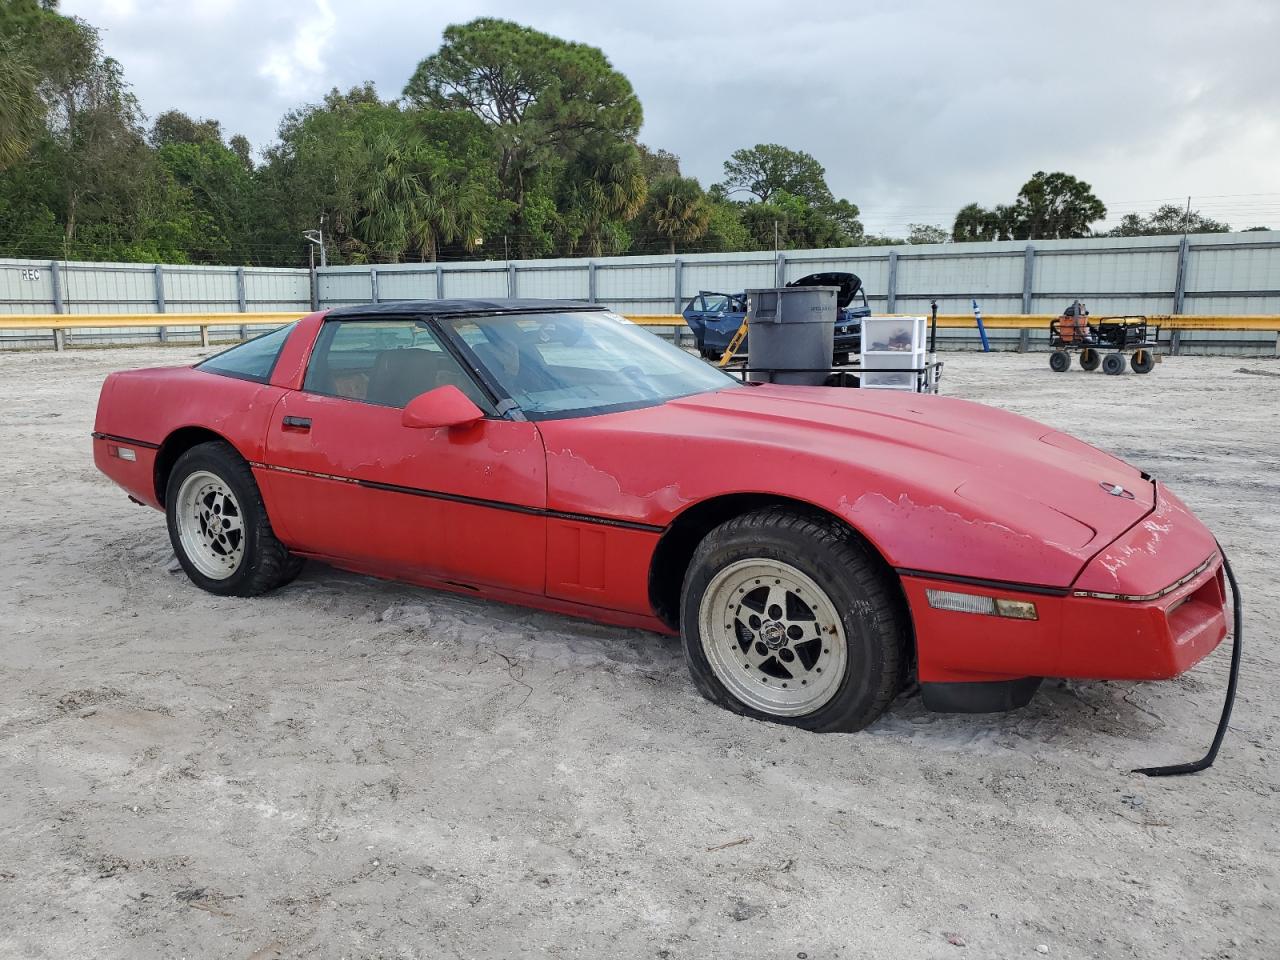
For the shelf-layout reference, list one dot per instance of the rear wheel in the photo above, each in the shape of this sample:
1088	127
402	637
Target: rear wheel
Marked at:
788	618
1059	361
1142	361
218	525
1113	364
1089	359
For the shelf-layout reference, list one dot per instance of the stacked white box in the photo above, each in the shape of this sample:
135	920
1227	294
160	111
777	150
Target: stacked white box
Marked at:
891	348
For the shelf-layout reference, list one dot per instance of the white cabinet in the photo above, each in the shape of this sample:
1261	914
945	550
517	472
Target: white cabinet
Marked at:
892	349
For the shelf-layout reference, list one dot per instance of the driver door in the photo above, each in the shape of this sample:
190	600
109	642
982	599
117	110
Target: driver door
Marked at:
354	484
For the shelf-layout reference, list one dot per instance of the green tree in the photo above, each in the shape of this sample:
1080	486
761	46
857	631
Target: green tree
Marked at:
1166	219
768	169
601	189
926	233
391	184
545	99
21	109
657	164
174	126
975	222
1055	206
796	224
241	147
725	229
678	211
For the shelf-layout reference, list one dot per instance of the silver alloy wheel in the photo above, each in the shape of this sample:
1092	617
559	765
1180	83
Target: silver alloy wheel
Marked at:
772	637
210	525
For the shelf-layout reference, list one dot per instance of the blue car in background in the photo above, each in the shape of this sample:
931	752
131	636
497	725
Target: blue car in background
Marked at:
715	317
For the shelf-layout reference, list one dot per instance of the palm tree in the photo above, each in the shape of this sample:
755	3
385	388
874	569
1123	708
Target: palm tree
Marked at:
605	188
679	210
21	108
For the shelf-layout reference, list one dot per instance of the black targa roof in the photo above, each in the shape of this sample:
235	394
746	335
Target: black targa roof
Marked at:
454	308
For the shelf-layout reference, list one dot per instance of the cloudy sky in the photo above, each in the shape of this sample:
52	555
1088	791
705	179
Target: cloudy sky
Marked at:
915	107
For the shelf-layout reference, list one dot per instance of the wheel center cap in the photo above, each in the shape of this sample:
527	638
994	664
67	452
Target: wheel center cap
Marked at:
773	634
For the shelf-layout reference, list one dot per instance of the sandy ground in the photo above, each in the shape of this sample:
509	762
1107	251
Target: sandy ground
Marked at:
352	768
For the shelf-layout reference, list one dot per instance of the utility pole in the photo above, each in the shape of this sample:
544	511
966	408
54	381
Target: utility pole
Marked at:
316	239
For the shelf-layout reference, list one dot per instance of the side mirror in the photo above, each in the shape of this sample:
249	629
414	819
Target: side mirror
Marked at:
445	406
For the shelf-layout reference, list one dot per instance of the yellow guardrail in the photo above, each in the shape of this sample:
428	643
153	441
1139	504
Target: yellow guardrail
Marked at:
59	323
1038	321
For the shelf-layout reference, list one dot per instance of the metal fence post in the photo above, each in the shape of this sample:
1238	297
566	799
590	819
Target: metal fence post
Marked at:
1180	285
891	288
315	289
159	278
511	279
242	299
373	283
677	298
1028	275
780	270
1024	340
591	281
439	282
55	280
1175	341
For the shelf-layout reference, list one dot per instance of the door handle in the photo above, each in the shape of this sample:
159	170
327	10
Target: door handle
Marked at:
301	424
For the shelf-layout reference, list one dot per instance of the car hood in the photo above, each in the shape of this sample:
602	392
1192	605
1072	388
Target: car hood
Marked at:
938	484
986	454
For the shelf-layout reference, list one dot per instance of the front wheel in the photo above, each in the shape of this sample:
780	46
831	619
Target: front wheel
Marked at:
788	618
1089	359
1142	361
1113	364
218	525
1059	361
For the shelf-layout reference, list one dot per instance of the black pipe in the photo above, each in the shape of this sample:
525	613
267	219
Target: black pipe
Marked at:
933	326
1205	762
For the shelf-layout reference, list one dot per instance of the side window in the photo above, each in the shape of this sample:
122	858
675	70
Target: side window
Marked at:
387	362
716	304
252	360
695	304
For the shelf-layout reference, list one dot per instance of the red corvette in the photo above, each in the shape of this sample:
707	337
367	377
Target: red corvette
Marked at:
817	548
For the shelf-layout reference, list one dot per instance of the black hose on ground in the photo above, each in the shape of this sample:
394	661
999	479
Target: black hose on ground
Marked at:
1206	761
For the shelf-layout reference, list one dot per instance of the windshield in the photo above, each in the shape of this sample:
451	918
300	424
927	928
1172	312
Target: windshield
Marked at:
560	364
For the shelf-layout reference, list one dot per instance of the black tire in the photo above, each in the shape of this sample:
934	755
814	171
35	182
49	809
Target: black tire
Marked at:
1113	364
1089	359
1059	361
1142	361
266	562
708	354
861	588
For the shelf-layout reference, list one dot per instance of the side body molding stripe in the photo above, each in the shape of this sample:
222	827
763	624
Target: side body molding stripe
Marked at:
474	501
129	440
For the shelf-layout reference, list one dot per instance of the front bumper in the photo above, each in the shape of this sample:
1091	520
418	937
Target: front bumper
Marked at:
1149	606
